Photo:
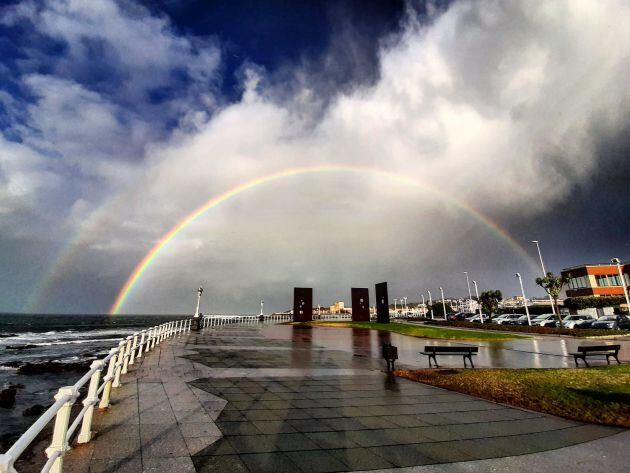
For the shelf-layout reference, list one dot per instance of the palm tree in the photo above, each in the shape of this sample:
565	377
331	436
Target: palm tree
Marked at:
553	285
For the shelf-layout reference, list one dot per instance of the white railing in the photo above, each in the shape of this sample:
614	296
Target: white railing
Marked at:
240	320
221	320
117	361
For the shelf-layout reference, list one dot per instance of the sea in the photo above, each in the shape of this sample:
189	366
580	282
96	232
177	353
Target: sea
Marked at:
72	340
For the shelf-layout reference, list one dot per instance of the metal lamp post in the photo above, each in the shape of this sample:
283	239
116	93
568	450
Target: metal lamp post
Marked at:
395	307
478	301
469	294
544	273
424	307
520	280
430	304
443	302
199	292
623	281
261	317
406	310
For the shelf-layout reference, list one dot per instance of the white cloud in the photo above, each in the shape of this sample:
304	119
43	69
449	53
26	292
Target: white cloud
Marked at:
499	103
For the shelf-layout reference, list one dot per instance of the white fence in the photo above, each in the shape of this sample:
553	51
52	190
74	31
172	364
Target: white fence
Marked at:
99	391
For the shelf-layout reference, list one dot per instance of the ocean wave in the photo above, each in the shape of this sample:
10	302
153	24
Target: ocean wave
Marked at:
76	342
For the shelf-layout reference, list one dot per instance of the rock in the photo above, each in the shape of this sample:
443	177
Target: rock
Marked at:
7	398
36	410
20	347
7	335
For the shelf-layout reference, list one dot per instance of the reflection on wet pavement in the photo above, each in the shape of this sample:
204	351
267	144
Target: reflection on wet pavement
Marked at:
315	399
542	352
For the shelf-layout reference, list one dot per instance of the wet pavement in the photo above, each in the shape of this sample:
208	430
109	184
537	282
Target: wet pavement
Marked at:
539	352
290	399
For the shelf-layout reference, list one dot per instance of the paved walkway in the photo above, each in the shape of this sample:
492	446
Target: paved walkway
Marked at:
233	400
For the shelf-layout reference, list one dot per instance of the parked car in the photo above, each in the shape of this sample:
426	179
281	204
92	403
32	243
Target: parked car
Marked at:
587	323
571	321
546	320
505	319
477	319
458	316
612	322
522	320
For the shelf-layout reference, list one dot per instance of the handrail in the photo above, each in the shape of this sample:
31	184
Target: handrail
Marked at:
118	360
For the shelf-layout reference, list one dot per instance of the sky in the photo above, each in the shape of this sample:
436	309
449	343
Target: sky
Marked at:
441	137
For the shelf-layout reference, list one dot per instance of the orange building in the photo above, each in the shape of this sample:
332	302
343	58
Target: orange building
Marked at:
597	280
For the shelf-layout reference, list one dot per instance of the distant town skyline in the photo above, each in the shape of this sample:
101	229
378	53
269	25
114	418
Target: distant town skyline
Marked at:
149	148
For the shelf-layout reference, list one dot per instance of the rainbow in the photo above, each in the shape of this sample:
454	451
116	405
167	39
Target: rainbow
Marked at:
153	253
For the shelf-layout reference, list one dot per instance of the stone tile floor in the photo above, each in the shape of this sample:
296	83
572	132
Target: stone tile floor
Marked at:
231	400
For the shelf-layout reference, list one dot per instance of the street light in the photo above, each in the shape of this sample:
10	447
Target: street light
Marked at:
199	292
478	301
469	294
406	310
395	307
544	273
443	303
430	304
424	307
520	280
623	281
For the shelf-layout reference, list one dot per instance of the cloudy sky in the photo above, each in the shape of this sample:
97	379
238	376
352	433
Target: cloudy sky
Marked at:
119	118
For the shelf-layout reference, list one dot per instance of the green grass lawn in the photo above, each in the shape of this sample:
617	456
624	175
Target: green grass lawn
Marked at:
420	331
599	395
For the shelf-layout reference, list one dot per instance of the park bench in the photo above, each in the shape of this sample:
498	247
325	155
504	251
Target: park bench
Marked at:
596	350
466	352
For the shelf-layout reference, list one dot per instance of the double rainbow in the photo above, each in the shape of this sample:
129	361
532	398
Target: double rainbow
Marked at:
154	252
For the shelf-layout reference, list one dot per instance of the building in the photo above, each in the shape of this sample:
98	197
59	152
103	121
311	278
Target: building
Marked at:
338	308
596	280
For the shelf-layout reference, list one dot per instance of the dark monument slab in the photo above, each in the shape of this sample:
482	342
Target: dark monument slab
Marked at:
360	304
302	304
382	303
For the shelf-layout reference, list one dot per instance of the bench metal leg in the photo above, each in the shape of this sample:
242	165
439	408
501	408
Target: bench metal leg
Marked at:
434	361
614	356
470	359
583	358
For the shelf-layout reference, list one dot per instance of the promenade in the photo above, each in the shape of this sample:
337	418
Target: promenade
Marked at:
256	399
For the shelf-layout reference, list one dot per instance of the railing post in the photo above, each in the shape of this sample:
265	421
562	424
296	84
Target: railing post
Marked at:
90	400
109	378
141	346
126	356
119	363
132	358
59	443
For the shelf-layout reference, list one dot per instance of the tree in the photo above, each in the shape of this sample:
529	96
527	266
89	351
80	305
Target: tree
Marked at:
490	301
553	285
438	310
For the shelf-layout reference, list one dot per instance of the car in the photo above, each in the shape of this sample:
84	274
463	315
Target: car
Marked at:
587	323
572	321
614	322
545	320
522	320
477	319
458	316
505	319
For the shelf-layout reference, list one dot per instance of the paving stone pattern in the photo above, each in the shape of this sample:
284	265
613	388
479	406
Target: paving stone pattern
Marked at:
231	400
